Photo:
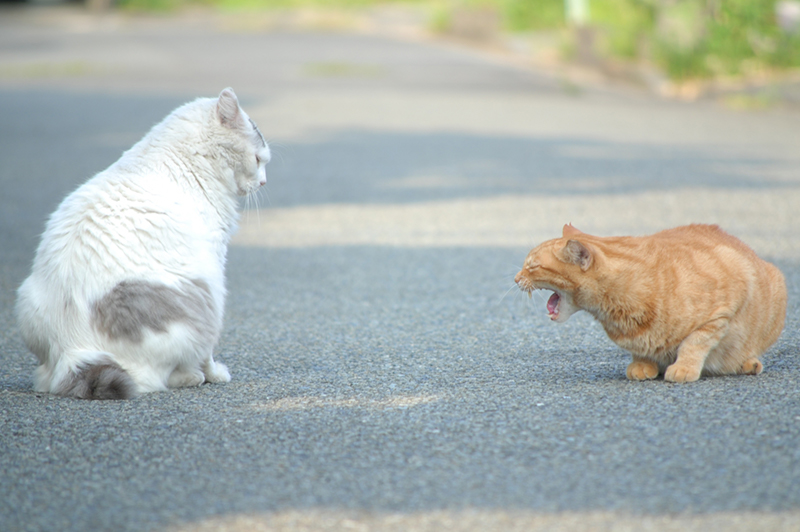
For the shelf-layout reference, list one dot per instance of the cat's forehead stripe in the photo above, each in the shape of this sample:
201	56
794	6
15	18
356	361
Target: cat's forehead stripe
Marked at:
263	142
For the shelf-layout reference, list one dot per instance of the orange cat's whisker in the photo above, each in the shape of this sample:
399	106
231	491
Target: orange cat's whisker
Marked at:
507	292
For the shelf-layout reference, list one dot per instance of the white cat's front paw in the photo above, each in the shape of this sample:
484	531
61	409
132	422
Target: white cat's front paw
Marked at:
216	372
184	379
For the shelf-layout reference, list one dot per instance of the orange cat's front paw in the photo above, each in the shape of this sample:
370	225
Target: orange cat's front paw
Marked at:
678	373
642	370
752	367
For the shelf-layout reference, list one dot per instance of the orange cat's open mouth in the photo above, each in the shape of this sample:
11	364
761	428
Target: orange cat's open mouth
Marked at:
552	306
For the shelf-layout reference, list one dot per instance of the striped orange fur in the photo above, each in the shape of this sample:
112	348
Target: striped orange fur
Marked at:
684	302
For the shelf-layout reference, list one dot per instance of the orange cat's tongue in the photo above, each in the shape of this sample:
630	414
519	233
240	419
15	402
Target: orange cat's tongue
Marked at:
552	306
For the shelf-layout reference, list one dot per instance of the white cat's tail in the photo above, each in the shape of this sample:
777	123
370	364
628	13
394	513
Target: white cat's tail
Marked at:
97	378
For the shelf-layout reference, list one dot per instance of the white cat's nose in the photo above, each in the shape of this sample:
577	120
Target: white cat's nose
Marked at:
262	181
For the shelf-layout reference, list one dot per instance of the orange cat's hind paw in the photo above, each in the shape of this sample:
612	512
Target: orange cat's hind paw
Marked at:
679	373
642	370
752	367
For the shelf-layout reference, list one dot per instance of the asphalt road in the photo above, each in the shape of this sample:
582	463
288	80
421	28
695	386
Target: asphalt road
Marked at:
386	375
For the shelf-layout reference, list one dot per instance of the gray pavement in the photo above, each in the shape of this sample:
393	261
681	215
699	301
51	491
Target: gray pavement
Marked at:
385	373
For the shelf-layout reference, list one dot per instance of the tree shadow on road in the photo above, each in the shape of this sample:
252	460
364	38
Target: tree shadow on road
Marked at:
390	167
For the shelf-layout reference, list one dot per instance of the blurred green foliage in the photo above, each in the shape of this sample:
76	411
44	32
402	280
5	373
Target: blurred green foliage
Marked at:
686	38
522	15
252	5
624	26
703	38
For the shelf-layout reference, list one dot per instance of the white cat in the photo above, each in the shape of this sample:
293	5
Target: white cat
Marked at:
127	290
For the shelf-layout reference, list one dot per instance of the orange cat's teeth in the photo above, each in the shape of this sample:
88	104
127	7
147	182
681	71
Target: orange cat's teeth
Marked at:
530	294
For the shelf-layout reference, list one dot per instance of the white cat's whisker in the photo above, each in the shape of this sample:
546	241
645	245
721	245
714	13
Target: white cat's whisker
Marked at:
266	193
250	205
254	197
275	148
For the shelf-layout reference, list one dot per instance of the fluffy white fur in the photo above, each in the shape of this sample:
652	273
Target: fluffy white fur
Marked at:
162	215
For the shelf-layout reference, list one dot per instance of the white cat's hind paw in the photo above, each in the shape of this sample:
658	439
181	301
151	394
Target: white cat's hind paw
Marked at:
216	372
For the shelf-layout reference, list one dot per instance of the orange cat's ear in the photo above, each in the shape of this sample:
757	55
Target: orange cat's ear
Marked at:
576	253
569	231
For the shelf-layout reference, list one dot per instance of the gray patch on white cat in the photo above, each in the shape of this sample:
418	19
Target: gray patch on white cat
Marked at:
104	379
133	306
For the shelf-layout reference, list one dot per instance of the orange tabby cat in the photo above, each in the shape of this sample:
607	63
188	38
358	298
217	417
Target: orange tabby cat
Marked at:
686	301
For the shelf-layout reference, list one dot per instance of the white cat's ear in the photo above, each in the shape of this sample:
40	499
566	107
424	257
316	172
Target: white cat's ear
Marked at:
228	109
570	231
577	253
